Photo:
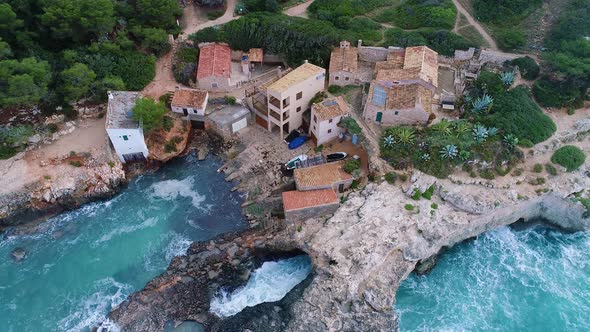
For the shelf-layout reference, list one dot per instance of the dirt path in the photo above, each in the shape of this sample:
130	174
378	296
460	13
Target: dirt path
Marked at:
475	24
299	10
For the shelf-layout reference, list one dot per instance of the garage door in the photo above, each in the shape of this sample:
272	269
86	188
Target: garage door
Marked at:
239	125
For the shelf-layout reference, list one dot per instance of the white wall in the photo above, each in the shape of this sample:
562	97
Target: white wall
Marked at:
135	142
325	131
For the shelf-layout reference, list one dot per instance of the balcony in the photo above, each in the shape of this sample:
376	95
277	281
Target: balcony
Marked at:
274	102
278	116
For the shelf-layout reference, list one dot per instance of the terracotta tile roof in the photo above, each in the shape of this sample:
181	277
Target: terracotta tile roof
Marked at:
321	176
344	59
214	60
424	59
295	200
255	55
189	97
405	96
296	76
330	108
393	75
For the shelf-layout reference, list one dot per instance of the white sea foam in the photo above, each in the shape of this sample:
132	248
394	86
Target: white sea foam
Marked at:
172	189
149	222
177	247
269	283
91	310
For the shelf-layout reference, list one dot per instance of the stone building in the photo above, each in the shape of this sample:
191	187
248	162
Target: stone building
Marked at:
228	120
325	176
344	65
325	117
404	88
214	68
303	205
125	134
190	103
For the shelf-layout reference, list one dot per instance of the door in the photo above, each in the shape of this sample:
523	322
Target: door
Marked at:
379	116
185	111
341	188
239	125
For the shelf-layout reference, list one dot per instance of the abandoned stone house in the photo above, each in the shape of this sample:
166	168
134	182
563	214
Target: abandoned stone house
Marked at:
190	103
344	65
404	87
303	205
214	67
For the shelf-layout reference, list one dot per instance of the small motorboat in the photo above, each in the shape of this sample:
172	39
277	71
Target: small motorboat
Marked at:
292	164
336	156
297	142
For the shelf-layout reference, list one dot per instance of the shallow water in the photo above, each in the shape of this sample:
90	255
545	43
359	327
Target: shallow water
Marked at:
269	283
535	279
85	262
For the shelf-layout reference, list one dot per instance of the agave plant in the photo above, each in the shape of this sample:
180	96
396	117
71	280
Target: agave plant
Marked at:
388	141
510	140
405	135
507	78
480	133
464	155
449	151
425	156
462	128
482	103
443	127
493	131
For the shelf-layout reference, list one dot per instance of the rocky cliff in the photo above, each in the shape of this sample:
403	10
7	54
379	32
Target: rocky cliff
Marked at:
360	256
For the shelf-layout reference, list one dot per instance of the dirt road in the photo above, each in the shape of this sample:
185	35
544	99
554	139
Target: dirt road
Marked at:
476	25
299	10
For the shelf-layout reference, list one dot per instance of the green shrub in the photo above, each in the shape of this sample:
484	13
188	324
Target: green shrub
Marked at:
510	39
167	123
390	177
409	207
75	163
7	152
428	193
111	164
230	100
571	111
526	143
528	67
434	206
538	168
350	124
551	169
487	174
319	148
554	93
150	113
170	146
414	14
255	210
442	41
538	181
403	177
504	12
334	89
352	165
517	172
215	14
472	174
416	195
569	157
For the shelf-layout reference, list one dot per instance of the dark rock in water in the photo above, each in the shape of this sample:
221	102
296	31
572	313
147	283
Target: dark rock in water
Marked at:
18	254
426	265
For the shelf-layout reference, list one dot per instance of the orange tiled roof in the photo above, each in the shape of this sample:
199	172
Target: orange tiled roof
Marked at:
344	59
330	108
189	97
295	200
325	175
255	55
426	60
214	60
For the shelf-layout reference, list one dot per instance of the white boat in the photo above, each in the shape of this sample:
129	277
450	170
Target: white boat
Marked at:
292	164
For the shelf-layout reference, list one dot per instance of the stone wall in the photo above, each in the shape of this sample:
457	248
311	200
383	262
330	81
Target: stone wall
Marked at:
312	212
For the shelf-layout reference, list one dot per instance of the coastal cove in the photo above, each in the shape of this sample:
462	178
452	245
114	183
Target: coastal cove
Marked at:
80	264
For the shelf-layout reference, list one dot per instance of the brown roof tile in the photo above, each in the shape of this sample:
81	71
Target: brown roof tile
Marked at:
189	97
214	60
344	59
295	200
320	176
330	108
426	60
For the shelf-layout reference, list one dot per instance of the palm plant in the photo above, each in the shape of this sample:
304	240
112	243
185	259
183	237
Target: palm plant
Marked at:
482	103
511	141
507	78
462	128
480	133
388	141
443	127
405	135
449	151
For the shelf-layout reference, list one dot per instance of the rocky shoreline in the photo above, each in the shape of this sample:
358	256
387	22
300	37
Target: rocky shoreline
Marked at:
360	256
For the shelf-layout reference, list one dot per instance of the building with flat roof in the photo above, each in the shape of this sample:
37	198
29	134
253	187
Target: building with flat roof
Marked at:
124	132
325	117
228	120
302	205
214	67
289	96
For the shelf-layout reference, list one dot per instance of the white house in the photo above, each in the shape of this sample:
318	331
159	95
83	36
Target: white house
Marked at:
190	102
125	134
325	117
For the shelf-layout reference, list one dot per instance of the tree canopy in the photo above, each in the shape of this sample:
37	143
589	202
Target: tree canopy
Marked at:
149	113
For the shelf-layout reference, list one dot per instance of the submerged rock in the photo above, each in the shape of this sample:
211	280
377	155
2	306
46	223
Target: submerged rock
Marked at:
19	254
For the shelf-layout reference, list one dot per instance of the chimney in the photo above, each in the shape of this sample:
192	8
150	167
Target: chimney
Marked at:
280	71
360	43
110	94
344	44
306	61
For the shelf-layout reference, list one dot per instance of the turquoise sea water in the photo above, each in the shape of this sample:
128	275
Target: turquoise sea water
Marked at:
84	262
536	279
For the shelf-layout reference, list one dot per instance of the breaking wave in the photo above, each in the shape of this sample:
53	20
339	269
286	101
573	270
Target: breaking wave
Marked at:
269	283
172	189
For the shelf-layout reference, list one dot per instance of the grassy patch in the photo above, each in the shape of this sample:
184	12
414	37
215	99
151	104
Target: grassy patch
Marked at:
414	14
569	157
440	40
471	34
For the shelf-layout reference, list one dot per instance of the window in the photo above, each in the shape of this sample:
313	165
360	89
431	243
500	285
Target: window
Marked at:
184	110
396	112
379	96
299	95
214	85
329	131
125	138
330	121
195	111
298	109
315	119
347	78
336	78
313	128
